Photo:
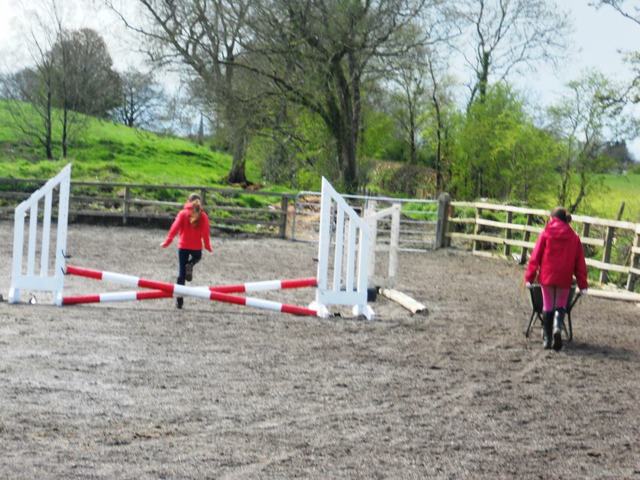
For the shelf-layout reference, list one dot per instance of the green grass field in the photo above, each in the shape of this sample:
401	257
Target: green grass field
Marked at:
115	153
618	189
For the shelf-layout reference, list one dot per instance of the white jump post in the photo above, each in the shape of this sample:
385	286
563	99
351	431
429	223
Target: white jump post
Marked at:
45	280
346	285
372	218
351	250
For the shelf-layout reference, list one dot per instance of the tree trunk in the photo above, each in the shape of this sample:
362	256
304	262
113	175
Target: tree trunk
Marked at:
483	79
201	130
347	152
239	145
48	136
413	151
65	130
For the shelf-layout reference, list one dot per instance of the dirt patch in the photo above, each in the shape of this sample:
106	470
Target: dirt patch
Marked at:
142	390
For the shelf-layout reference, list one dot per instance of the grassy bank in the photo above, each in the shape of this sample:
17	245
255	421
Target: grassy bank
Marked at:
110	152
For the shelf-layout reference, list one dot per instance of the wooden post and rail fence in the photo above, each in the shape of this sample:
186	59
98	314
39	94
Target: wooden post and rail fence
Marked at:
612	247
138	204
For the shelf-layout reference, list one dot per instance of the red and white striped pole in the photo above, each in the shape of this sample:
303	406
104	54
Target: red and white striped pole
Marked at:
262	286
170	289
266	285
115	297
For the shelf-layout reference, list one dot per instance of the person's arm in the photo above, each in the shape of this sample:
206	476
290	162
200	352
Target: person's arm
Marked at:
535	259
580	268
205	232
173	231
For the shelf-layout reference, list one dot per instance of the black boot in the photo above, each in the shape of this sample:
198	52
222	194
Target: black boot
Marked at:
547	327
179	302
558	324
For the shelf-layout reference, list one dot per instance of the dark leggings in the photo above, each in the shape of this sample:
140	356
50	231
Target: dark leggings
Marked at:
184	257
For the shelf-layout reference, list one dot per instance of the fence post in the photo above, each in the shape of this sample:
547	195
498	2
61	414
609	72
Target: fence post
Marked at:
606	256
444	202
633	263
125	205
526	238
369	215
284	207
203	196
507	235
394	243
586	228
476	229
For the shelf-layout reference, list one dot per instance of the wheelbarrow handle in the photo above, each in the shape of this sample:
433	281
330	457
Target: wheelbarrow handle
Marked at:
575	299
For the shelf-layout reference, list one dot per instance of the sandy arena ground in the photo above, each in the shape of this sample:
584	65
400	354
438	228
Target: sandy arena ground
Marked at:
144	391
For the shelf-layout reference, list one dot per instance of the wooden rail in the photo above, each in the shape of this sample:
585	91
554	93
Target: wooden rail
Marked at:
612	247
128	203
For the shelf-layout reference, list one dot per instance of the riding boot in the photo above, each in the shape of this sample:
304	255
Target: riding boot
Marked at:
558	324
547	326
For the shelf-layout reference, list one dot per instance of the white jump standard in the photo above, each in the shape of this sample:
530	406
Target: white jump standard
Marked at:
341	279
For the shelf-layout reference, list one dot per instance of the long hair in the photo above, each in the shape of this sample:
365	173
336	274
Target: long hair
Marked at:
561	214
196	209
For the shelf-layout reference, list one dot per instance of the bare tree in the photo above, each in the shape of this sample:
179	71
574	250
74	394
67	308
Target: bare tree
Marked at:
316	54
30	92
140	94
69	73
441	104
626	8
32	88
510	34
631	12
409	97
319	54
204	36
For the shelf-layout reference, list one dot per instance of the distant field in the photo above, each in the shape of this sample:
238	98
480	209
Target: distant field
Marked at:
618	189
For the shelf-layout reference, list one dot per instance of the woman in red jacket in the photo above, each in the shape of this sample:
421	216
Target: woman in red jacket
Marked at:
556	258
192	223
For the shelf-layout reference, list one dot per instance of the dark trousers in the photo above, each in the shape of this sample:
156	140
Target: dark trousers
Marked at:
184	257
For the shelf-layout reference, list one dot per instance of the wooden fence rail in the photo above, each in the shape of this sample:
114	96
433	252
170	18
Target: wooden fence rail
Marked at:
127	203
612	247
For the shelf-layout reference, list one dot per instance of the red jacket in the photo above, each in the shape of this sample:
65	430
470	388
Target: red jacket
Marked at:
557	257
191	236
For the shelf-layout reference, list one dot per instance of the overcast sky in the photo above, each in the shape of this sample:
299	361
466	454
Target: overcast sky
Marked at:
598	37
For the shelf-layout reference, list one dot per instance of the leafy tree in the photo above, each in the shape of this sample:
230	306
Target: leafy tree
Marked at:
500	153
619	154
586	121
87	82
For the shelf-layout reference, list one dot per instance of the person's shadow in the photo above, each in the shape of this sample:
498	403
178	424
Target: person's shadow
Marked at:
600	350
